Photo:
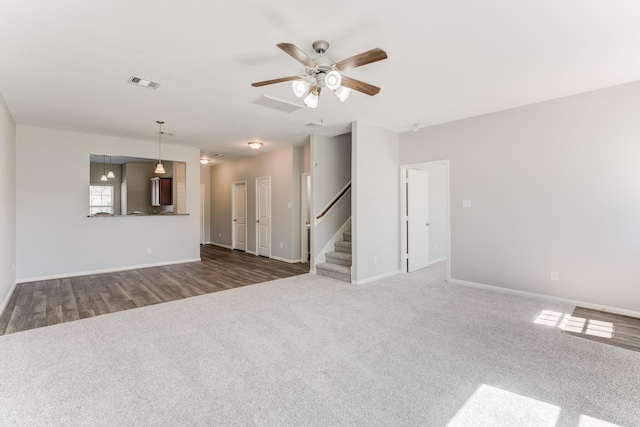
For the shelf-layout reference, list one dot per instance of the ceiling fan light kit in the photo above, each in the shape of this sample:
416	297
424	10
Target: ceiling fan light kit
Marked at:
324	72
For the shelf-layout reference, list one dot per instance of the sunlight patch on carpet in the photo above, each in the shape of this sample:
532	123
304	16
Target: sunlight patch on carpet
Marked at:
496	407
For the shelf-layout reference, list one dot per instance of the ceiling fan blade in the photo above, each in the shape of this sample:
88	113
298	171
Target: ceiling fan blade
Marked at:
297	54
270	82
363	87
364	58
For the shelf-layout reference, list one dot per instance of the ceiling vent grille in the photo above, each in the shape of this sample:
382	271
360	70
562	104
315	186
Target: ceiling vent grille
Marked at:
143	82
314	125
277	104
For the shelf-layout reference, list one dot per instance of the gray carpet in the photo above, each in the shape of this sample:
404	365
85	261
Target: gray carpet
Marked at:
309	350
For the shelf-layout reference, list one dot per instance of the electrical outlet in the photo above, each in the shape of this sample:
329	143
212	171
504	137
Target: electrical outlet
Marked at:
555	275
375	259
148	250
219	234
13	266
281	245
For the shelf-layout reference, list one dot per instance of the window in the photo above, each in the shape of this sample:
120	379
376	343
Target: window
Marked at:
101	199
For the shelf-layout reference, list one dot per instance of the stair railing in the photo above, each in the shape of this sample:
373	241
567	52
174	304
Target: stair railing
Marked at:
335	200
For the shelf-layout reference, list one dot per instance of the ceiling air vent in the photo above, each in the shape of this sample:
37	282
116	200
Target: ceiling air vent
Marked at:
314	125
143	82
277	104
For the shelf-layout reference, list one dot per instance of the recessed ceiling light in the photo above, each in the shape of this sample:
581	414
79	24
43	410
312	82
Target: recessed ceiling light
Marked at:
138	81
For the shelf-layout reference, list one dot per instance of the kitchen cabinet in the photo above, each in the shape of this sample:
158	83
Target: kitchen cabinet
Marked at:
160	191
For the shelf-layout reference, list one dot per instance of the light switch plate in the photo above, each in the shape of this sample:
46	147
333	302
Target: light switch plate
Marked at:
466	203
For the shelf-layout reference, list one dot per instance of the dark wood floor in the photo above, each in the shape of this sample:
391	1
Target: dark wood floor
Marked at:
614	329
47	302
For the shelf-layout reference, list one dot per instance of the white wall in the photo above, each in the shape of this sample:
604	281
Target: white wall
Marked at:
7	202
279	166
553	186
375	203
54	235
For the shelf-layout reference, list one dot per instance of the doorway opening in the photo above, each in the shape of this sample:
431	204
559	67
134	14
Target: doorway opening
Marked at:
425	215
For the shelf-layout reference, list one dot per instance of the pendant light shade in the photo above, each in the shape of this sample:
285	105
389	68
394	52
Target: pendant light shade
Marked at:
104	169
110	174
159	167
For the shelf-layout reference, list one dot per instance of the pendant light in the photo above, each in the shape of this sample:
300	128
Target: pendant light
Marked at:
159	167
104	169
110	174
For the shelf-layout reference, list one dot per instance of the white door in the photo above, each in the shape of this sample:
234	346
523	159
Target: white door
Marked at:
263	216
417	219
239	226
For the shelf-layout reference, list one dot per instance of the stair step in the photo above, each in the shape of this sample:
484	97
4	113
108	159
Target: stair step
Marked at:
343	247
338	272
346	236
340	258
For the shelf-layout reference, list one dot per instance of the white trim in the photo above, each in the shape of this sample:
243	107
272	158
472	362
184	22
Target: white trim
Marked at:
615	310
220	244
373	279
5	303
290	261
106	270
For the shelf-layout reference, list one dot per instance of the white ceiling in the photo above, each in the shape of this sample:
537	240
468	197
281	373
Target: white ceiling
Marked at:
65	63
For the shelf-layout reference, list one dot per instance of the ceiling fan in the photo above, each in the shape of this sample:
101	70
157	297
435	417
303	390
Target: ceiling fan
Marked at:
323	72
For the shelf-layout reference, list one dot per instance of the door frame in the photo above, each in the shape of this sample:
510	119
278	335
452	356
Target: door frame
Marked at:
233	212
305	210
258	214
203	227
403	216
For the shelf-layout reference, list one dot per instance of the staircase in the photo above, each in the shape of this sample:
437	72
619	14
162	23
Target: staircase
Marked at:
338	265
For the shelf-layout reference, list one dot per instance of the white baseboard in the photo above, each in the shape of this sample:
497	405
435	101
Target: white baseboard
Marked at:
106	270
599	307
5	303
290	261
219	244
373	279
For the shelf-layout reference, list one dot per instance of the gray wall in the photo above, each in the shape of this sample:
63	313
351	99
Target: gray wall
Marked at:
54	235
331	166
375	202
280	166
7	202
554	187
